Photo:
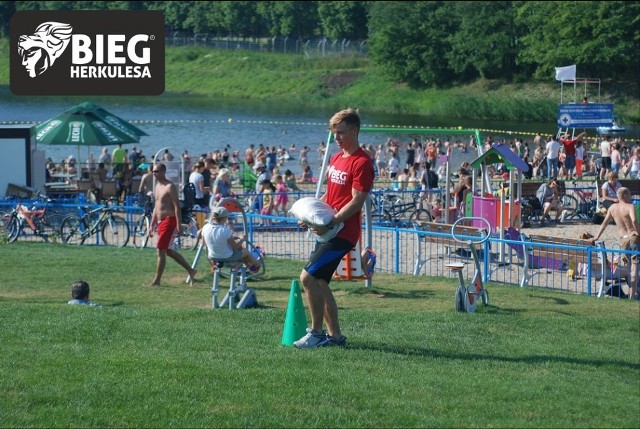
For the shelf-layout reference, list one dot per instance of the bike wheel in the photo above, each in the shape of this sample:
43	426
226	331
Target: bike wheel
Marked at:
72	230
115	231
15	228
460	293
6	227
570	203
387	217
188	240
484	297
420	215
140	233
50	226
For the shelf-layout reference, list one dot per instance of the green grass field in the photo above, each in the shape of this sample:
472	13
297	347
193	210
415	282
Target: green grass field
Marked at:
161	357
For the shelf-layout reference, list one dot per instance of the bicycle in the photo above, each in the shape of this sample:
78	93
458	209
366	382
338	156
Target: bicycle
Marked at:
140	232
114	230
188	237
392	209
187	240
584	206
40	221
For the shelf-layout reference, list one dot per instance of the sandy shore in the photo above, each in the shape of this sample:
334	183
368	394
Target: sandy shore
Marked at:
574	229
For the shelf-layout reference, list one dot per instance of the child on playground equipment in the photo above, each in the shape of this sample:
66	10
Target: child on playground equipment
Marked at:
436	210
223	246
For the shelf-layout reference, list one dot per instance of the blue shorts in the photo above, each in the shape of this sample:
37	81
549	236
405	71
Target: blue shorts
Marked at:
326	257
570	162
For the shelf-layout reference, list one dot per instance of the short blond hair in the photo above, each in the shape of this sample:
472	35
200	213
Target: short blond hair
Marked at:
349	116
623	194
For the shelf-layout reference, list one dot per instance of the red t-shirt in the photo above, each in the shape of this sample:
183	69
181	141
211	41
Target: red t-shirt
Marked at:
569	146
344	174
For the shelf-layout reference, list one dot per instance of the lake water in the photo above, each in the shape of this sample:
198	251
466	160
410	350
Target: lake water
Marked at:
202	124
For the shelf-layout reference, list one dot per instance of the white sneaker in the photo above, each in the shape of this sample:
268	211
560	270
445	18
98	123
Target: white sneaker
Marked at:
311	340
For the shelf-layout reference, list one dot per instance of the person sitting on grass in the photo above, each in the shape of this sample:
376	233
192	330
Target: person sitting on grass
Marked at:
80	294
223	246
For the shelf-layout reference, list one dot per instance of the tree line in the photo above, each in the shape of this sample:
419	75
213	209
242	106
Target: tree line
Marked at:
422	43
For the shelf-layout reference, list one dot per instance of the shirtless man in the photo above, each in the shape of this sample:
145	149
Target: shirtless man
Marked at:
166	215
146	182
624	215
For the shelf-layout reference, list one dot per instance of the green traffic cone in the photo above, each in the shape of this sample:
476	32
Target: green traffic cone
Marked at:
295	322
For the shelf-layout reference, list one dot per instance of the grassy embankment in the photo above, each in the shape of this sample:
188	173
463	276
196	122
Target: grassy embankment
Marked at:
333	83
337	82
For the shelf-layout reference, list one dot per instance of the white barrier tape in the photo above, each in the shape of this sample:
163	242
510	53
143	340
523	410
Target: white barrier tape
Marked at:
240	121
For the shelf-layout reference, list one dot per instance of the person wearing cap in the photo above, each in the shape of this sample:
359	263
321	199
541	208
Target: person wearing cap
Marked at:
263	174
166	216
222	245
350	178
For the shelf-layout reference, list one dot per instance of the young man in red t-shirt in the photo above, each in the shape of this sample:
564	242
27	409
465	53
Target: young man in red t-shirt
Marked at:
349	181
570	152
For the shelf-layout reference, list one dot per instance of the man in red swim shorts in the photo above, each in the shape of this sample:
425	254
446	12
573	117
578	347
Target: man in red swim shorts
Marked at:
166	215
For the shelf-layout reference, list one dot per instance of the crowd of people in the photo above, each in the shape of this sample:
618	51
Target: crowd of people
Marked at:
414	165
353	171
573	157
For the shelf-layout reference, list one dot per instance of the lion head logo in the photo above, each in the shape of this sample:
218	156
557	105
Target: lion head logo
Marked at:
40	49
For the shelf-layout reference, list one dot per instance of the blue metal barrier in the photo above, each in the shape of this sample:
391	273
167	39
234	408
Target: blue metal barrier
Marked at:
397	250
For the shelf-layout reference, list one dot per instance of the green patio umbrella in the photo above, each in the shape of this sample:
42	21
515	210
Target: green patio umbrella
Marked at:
87	125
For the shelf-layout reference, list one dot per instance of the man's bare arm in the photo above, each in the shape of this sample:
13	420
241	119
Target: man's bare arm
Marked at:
608	218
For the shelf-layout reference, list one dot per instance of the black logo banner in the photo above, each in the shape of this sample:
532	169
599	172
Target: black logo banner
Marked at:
87	53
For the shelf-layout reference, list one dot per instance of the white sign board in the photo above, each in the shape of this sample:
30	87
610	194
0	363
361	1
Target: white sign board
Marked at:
15	161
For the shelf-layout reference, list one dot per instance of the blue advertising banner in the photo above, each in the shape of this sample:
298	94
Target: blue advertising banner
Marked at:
588	115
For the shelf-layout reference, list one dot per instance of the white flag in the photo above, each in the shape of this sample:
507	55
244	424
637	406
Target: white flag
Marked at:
566	73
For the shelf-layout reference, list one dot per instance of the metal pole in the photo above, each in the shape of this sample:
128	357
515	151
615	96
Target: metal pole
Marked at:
447	192
325	162
154	160
368	242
